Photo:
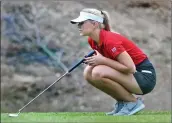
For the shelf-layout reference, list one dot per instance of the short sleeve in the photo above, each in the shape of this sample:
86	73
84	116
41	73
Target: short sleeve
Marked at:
114	48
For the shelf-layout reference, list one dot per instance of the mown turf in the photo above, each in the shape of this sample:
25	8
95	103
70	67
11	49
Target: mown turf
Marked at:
87	117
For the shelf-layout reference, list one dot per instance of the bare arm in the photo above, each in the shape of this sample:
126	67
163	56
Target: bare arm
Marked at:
123	64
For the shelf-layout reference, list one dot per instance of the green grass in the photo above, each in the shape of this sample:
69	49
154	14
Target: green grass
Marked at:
88	117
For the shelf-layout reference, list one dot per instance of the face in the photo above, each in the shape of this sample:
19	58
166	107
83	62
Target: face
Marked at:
86	27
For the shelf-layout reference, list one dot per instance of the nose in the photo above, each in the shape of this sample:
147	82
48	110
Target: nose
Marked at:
79	26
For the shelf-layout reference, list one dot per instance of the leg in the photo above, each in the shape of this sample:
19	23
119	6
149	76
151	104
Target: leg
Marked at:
105	74
114	89
108	86
126	80
88	76
98	77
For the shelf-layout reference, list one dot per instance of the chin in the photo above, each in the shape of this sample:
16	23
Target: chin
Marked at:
82	34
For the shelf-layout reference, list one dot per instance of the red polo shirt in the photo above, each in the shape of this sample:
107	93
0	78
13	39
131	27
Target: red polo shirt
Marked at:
112	44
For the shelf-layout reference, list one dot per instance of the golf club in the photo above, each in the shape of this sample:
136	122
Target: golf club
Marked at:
70	70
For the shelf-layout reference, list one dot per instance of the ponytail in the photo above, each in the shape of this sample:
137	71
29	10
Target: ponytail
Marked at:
106	22
104	14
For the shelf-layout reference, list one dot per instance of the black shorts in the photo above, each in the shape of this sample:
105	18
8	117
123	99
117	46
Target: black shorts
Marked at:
145	76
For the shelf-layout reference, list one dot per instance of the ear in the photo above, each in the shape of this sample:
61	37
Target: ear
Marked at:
96	24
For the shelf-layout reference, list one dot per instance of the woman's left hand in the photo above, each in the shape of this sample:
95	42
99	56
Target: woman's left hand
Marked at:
94	60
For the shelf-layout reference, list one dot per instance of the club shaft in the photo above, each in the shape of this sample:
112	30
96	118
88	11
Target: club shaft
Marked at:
43	91
70	70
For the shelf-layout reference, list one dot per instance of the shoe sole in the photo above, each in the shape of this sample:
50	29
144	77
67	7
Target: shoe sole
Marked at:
138	109
110	113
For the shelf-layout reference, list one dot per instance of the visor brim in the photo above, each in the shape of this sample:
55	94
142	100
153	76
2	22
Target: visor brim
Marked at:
78	20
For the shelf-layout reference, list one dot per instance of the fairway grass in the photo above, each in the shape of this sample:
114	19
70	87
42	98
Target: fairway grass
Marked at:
88	117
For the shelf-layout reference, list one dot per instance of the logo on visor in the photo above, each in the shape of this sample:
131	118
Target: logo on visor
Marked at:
114	49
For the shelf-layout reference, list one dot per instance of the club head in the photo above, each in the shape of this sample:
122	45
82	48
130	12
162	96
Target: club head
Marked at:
13	115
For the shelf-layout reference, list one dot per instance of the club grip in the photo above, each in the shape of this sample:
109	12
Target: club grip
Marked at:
77	64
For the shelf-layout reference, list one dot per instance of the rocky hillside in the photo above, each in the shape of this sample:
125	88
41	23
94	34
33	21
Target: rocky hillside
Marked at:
146	22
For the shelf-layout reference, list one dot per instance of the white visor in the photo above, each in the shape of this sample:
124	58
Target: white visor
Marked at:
86	16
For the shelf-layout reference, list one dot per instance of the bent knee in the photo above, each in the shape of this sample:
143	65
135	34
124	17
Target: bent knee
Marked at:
87	73
97	73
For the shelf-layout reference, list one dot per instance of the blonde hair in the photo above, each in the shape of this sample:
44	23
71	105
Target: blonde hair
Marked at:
104	14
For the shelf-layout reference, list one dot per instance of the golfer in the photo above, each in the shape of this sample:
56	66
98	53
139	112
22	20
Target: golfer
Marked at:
119	67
